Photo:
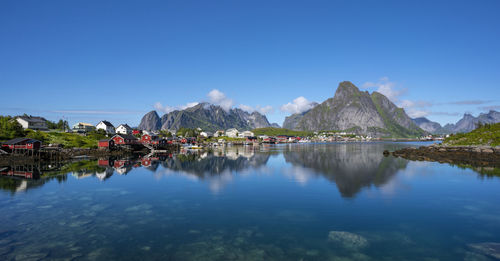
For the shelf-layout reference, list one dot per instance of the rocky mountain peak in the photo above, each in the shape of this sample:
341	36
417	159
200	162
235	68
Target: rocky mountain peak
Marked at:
209	117
356	111
346	89
150	121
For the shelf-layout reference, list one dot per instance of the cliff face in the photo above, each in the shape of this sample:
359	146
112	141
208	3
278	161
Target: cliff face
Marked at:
150	121
353	110
292	120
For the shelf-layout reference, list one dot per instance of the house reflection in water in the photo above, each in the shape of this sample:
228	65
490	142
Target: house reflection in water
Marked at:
349	167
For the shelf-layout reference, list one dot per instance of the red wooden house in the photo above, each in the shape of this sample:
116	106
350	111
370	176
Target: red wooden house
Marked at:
124	139
147	138
23	144
106	144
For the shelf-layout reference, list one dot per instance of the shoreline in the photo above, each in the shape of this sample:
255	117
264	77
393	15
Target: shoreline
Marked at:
480	156
69	154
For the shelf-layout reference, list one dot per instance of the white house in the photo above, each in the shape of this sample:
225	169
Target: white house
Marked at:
106	126
232	133
219	133
246	134
124	129
206	134
83	127
31	122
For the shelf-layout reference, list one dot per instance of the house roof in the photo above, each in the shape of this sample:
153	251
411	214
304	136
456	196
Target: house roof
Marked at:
84	124
125	125
105	140
20	140
33	119
127	136
107	123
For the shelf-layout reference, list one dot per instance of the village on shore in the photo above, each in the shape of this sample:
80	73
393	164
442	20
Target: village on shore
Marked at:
126	137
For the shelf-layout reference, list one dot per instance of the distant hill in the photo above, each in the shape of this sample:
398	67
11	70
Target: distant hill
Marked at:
488	134
361	112
466	124
427	125
207	116
469	122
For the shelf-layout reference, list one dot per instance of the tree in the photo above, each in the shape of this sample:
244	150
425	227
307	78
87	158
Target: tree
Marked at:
60	125
10	128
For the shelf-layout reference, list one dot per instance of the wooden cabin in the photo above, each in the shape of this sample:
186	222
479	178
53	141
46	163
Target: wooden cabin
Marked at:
22	144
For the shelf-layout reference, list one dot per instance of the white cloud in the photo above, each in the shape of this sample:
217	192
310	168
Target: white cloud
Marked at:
386	87
413	113
298	105
218	98
261	109
166	109
188	105
414	109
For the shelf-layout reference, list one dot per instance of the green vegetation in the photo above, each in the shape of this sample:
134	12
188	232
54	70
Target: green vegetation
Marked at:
67	140
488	134
270	131
394	129
10	128
163	134
83	165
225	138
60	125
186	132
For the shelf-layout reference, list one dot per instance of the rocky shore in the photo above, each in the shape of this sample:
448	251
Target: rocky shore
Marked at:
66	154
484	156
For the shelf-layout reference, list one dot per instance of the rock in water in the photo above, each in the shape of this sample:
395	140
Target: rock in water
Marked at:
488	248
347	240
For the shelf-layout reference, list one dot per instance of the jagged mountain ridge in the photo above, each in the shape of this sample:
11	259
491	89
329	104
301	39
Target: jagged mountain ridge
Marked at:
150	121
360	112
207	116
427	125
466	124
469	122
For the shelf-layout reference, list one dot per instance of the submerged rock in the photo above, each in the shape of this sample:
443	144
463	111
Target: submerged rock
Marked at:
347	240
488	248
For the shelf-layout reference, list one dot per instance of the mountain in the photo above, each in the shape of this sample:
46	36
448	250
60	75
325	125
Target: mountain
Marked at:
361	112
150	121
292	120
469	122
427	125
275	125
207	116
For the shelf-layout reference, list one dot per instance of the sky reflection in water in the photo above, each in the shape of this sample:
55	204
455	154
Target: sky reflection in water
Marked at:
297	202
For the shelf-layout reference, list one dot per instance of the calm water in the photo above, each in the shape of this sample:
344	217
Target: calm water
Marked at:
291	202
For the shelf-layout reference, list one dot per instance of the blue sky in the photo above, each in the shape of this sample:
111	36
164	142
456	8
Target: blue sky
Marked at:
116	60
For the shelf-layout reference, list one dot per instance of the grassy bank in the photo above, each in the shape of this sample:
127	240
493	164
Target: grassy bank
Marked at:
270	131
67	140
488	134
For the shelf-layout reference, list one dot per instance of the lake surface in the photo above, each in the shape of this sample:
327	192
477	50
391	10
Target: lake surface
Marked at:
341	201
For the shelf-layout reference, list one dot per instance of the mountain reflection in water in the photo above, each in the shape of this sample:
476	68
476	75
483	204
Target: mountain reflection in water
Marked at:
349	166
